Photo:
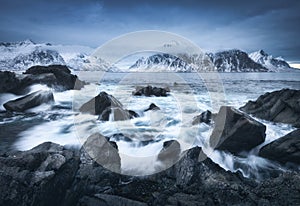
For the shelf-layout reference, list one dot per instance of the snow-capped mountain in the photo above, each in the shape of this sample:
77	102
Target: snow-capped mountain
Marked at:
235	61
21	55
272	64
161	62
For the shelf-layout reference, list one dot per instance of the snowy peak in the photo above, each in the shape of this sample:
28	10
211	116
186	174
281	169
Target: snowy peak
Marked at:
161	62
235	61
272	64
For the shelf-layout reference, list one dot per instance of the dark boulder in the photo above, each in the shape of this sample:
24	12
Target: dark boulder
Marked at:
104	105
151	91
103	152
278	106
284	150
9	82
170	153
205	117
29	101
236	132
152	106
58	77
39	176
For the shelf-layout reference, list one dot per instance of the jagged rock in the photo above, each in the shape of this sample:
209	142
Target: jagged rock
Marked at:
29	101
152	106
285	149
39	176
236	132
278	106
103	152
104	105
151	91
205	117
62	79
9	82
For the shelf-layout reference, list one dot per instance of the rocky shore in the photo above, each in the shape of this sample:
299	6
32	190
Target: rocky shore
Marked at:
51	174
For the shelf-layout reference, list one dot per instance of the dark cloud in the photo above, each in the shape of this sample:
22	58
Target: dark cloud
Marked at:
213	25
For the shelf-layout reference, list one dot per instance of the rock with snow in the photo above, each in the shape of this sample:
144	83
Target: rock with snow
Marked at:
272	64
235	61
29	101
236	132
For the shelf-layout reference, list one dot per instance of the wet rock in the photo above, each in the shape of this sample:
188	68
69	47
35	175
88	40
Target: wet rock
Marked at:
236	132
153	107
103	152
278	106
39	176
284	150
58	77
106	200
205	117
151	91
169	154
29	101
9	82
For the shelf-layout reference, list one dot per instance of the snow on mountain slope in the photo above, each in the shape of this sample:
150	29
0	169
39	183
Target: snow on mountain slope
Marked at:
273	64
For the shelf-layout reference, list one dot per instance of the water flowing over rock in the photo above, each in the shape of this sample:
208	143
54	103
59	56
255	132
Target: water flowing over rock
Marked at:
236	132
152	106
104	105
205	117
278	106
39	176
151	91
29	101
58	77
284	150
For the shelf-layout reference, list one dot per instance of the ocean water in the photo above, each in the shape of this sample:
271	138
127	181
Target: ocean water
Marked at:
191	94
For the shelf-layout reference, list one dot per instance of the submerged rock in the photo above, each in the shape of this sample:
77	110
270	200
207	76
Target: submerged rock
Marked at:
29	101
151	91
205	117
278	106
152	106
236	132
284	150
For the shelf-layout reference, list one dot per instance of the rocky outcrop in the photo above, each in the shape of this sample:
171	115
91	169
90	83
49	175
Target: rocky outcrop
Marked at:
205	117
9	82
236	132
170	153
284	150
104	105
40	176
29	101
58	77
278	106
151	91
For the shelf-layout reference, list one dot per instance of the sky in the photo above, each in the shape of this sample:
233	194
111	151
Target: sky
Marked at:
214	25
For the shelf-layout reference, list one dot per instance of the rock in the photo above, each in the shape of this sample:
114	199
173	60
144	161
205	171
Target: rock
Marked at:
278	106
29	101
39	176
106	200
170	152
236	132
284	150
9	82
152	106
104	105
58	77
151	91
103	152
205	117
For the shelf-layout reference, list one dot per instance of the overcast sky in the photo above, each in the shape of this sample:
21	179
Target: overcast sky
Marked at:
213	25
